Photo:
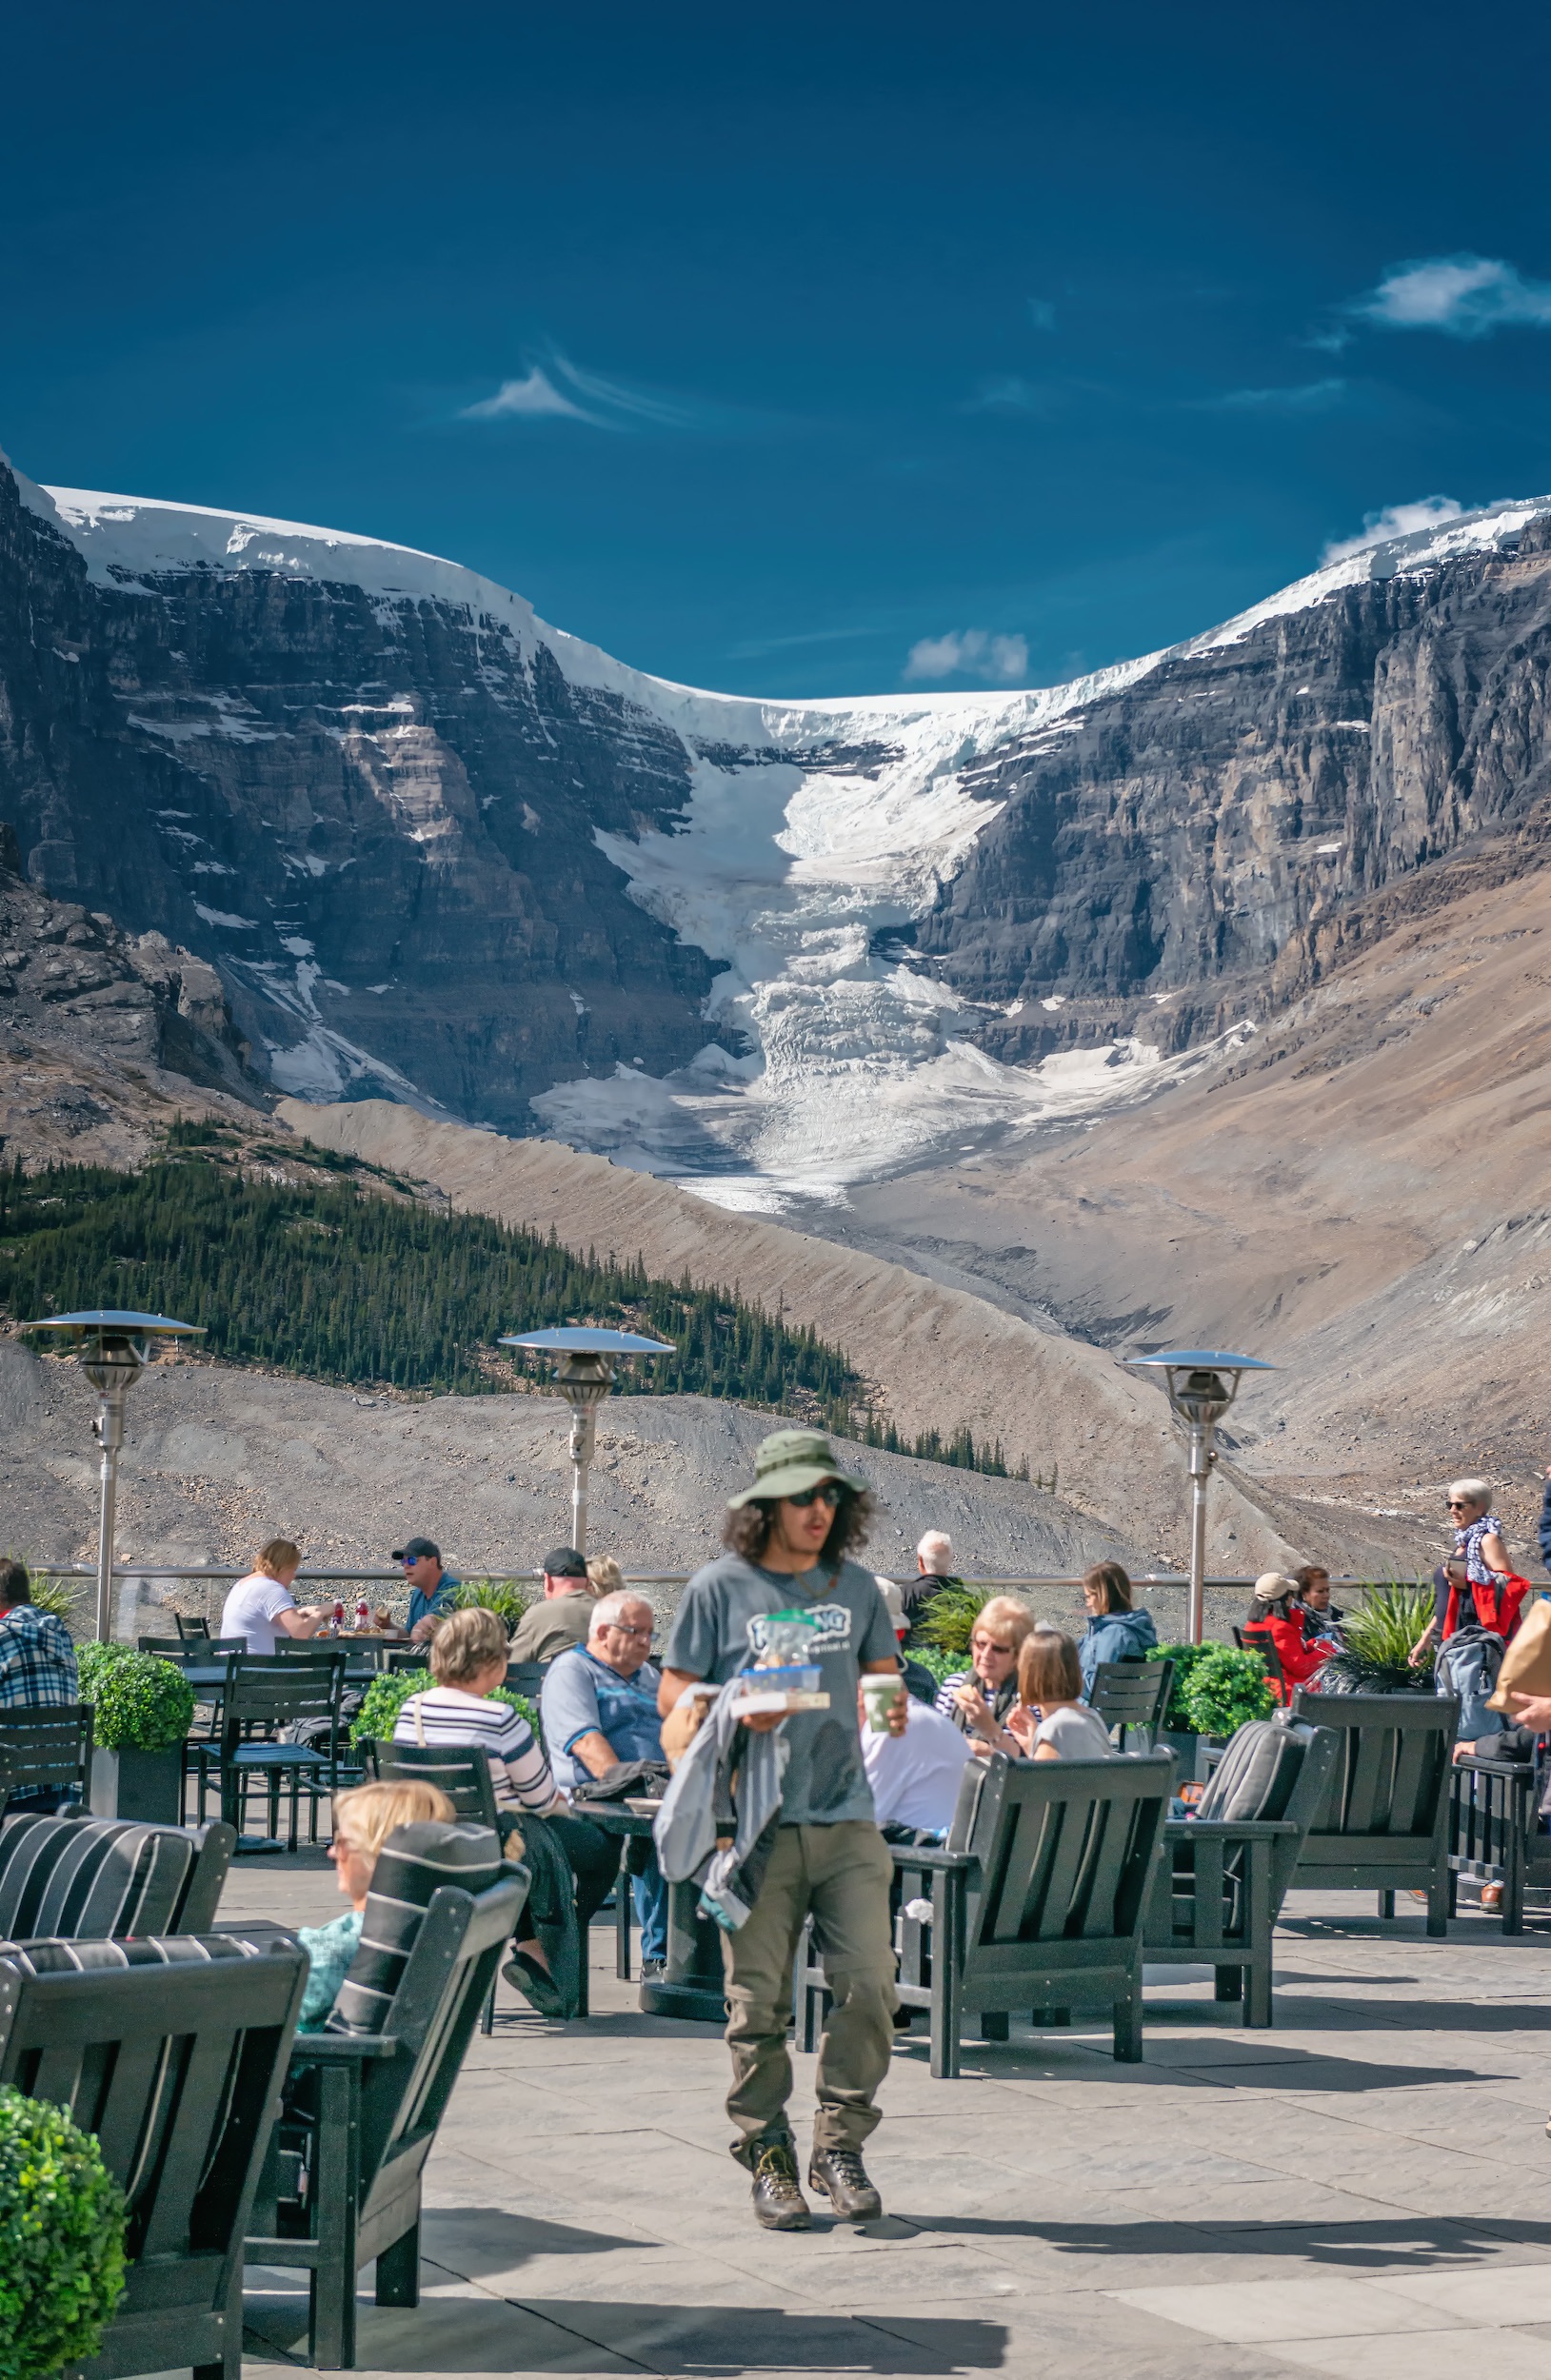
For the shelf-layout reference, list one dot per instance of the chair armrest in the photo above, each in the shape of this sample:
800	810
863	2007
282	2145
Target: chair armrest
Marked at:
950	1862
1229	1830
341	2048
1510	1769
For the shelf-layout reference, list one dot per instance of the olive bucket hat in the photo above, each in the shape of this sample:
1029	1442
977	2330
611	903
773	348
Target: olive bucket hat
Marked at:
790	1461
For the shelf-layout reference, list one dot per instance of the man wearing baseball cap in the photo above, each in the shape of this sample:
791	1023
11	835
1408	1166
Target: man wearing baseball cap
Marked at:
562	1620
432	1588
789	1537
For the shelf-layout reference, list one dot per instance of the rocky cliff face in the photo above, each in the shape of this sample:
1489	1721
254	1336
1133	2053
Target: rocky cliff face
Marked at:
1151	864
376	817
439	851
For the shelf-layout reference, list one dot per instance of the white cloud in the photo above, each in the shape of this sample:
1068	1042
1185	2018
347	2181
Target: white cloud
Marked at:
1428	512
526	400
1464	296
1311	396
970	653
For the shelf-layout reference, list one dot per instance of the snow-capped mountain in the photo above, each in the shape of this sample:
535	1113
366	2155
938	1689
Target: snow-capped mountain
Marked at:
442	850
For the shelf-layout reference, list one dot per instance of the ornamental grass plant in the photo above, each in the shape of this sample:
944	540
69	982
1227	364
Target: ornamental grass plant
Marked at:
508	1602
61	2240
140	1703
1380	1634
948	1621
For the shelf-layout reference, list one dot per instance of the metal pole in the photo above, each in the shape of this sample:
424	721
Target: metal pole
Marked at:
584	1431
110	1432
1203	1455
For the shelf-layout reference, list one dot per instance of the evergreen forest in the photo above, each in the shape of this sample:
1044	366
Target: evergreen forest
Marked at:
348	1277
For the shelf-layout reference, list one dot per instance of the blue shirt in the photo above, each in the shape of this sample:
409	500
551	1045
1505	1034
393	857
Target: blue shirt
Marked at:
439	1599
581	1694
330	1951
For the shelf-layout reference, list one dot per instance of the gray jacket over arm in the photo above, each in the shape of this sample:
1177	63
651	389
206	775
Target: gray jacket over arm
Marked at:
700	1806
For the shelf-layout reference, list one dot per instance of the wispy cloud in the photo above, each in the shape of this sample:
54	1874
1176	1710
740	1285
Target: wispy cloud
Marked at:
757	646
970	653
1467	297
1042	313
1428	512
1311	396
558	389
526	400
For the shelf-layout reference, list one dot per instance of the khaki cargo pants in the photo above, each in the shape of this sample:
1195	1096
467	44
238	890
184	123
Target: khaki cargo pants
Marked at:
841	1875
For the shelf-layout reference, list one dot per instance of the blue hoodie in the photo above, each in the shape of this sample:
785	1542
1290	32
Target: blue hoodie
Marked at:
1114	1636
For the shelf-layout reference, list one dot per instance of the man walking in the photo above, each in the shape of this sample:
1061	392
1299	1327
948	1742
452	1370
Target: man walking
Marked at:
599	1703
789	1537
563	1618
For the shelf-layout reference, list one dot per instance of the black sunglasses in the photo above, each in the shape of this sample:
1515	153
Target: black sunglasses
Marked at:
828	1492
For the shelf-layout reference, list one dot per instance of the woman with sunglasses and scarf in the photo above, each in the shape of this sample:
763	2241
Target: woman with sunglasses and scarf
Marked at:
1479	1543
788	1540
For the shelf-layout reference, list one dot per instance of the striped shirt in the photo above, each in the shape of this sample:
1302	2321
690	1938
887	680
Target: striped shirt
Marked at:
444	1716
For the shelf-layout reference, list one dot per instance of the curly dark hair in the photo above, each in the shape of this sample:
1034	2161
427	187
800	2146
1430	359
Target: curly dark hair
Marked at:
747	1528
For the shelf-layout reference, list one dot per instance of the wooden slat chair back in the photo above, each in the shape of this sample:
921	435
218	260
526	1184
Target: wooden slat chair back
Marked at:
1037	1900
82	1878
49	1749
171	2051
526	1678
265	1692
1132	1695
1262	1641
1217	1890
1384	1822
363	2105
463	1773
191	1630
408	1657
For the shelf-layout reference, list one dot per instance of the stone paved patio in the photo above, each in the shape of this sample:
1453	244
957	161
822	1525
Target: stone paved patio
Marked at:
1367	2191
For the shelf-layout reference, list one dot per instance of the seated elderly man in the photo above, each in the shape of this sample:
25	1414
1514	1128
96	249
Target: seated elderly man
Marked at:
599	1703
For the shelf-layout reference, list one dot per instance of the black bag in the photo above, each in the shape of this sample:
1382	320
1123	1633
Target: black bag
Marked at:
647	1778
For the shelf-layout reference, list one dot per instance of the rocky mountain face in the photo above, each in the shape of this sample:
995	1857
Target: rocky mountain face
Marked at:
376	818
440	852
1178	854
104	1035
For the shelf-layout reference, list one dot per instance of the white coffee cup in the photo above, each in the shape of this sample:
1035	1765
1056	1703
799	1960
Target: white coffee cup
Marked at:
879	1696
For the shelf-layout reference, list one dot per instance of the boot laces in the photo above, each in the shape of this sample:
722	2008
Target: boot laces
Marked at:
846	2165
776	2166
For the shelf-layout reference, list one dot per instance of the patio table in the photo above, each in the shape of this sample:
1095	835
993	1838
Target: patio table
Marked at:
693	1985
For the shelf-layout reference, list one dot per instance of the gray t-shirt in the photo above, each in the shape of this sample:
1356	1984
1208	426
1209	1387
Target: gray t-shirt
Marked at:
716	1633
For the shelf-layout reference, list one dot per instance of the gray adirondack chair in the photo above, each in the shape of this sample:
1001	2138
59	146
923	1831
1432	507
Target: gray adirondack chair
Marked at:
363	2103
1383	1825
1037	1901
171	2051
1217	1890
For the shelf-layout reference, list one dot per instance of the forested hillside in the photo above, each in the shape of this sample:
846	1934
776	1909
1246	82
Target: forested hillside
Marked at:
326	1268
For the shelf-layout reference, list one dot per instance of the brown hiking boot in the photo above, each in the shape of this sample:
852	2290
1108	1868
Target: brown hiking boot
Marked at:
779	2203
843	2177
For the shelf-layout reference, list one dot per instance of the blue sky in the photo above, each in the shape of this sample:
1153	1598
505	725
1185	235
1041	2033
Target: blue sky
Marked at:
797	349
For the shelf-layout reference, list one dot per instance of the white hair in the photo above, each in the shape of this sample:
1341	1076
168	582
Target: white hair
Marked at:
935	1551
609	1607
1473	1491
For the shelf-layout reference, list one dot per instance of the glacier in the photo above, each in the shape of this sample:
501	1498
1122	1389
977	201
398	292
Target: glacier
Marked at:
813	833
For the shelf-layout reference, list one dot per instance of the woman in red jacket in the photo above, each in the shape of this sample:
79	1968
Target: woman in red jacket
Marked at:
1276	1621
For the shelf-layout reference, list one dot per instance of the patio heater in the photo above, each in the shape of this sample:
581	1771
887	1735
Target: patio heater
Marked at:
584	1377
1201	1385
114	1349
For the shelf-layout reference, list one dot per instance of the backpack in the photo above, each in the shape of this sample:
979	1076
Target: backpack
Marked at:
1468	1665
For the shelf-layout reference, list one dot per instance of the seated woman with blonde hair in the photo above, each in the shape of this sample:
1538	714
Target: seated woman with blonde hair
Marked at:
1052	1721
364	1819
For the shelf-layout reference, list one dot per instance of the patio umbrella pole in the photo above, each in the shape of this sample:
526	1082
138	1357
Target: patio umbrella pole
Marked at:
1203	1455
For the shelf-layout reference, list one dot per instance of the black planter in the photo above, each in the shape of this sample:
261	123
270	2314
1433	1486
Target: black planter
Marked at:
145	1785
1189	1754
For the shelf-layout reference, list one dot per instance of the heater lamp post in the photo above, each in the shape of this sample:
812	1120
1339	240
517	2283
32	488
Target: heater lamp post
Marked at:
1201	1384
584	1377
114	1349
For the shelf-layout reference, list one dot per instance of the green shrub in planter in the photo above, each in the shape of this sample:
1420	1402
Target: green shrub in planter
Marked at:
61	2240
940	1664
386	1696
1216	1688
140	1703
